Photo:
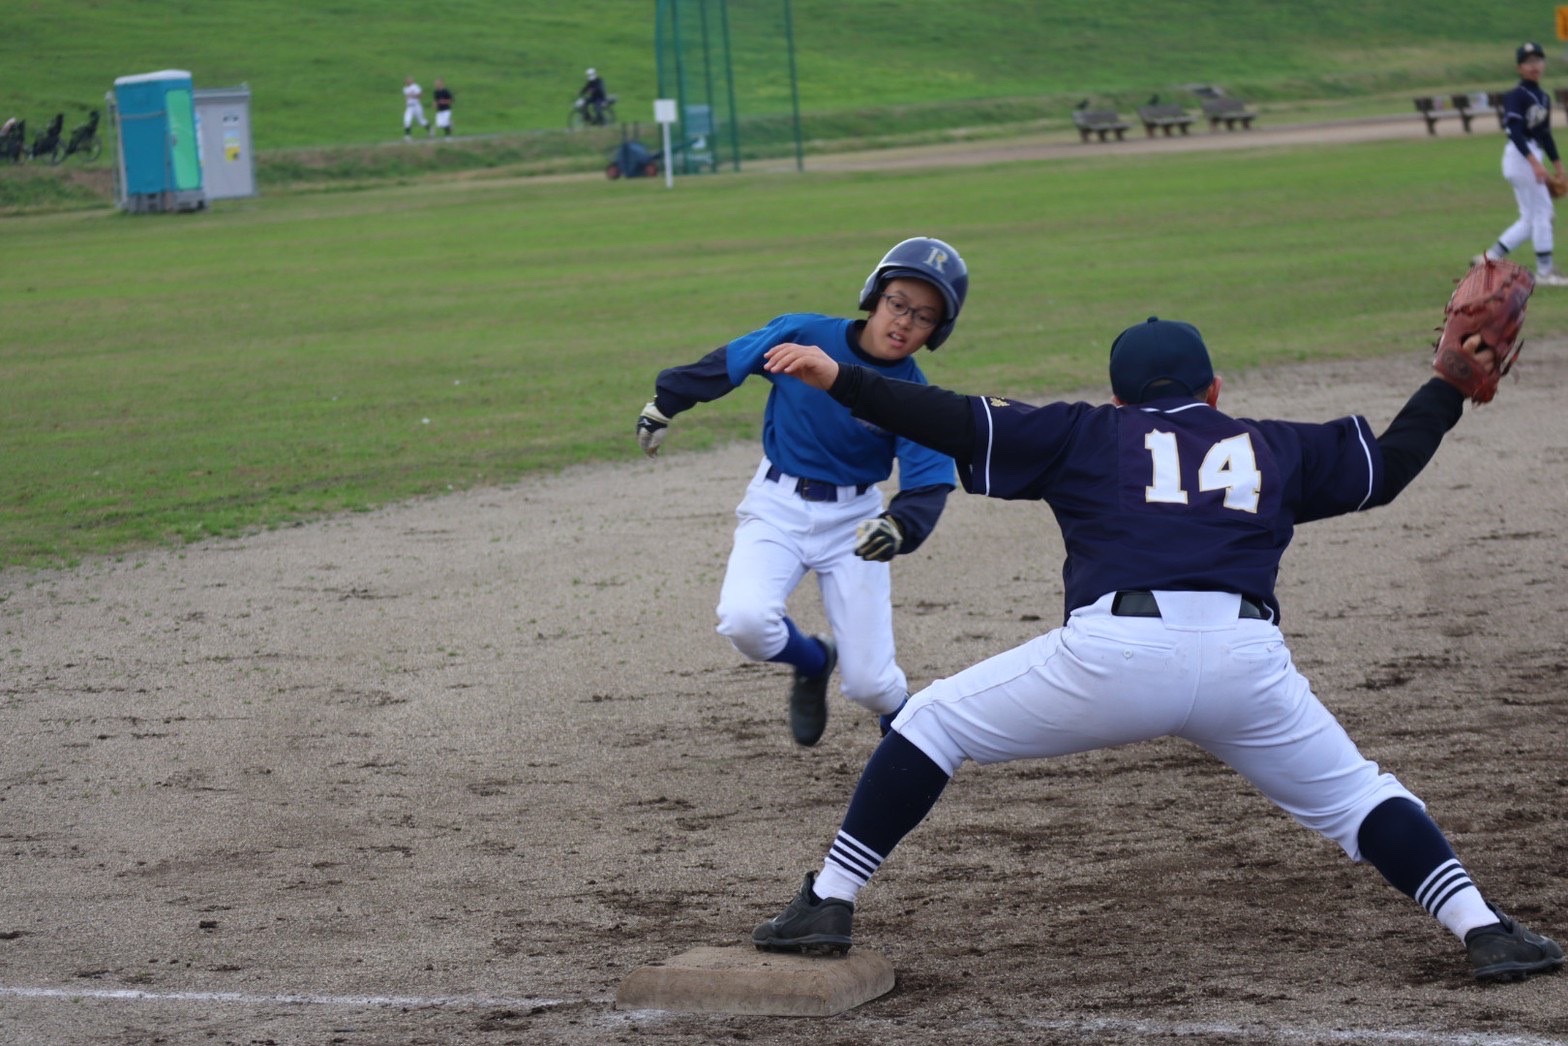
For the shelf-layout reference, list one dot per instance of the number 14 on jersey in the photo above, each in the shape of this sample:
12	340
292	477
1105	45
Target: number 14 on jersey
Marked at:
1229	465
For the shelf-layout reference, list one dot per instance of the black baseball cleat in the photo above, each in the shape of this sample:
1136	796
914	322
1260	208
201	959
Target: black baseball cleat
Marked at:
1506	951
809	925
808	698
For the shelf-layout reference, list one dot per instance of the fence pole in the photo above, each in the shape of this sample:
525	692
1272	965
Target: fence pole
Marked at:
794	84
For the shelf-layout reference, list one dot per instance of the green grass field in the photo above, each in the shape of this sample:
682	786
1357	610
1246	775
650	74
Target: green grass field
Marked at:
332	74
173	377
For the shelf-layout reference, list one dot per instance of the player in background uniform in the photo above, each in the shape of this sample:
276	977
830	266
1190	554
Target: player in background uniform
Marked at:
1527	117
1174	517
443	107
413	109
813	504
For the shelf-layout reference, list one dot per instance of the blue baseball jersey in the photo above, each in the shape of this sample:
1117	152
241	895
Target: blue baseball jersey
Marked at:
1527	117
1171	494
805	432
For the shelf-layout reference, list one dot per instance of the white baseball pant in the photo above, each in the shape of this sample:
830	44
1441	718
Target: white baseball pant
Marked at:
779	538
1535	203
1197	672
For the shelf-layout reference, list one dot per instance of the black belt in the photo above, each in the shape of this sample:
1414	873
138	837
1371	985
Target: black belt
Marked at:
814	489
1139	602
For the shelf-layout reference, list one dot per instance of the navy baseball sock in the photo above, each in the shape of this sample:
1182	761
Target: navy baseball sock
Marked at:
1543	261
898	787
804	652
1403	843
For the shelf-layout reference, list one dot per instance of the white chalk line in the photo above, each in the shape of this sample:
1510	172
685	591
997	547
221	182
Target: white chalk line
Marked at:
302	999
1094	1028
1286	1033
1083	1026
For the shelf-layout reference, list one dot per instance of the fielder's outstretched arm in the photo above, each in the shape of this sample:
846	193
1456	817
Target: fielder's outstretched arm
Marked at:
1412	437
928	414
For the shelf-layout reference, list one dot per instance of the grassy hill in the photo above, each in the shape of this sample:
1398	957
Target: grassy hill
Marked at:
331	73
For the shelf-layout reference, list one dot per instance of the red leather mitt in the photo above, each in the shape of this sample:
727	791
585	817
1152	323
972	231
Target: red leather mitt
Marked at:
1485	312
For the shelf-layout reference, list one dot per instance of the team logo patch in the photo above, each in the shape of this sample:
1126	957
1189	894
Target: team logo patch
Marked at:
997	401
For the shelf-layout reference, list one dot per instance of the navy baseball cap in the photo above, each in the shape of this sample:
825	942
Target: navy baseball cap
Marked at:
1159	350
1528	49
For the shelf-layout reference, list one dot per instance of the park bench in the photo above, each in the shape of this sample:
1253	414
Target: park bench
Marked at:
1165	118
1434	109
1230	112
1102	122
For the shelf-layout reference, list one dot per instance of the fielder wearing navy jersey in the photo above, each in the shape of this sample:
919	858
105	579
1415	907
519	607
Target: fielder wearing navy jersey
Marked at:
813	504
1175	517
1527	118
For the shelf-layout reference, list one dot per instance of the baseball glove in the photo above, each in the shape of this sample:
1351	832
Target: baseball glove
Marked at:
1485	312
1557	185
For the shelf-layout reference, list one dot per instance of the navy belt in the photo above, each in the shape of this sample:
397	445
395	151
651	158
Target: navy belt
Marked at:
1141	603
814	489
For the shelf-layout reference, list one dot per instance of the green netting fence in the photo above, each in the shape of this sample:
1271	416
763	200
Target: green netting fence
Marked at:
730	67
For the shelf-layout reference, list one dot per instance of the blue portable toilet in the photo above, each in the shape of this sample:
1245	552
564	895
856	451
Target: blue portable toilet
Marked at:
160	157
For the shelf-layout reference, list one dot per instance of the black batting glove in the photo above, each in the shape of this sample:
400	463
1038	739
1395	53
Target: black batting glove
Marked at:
878	539
652	427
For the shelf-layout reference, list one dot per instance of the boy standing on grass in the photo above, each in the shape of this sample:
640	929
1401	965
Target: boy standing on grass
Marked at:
413	109
1527	119
443	107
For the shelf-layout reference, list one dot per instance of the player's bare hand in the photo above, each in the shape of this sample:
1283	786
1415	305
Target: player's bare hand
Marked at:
1483	353
652	427
806	362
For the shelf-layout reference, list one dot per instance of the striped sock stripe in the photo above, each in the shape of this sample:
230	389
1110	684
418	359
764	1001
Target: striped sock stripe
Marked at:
857	860
1446	880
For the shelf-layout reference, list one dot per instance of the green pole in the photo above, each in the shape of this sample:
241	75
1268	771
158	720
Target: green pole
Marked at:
794	85
658	44
707	83
729	82
680	85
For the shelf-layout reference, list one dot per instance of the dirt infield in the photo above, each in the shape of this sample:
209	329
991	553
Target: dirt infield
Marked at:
446	773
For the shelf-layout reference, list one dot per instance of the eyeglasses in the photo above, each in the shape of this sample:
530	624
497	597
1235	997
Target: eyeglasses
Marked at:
923	318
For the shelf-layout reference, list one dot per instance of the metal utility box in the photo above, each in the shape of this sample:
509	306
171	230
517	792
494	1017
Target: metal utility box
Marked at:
228	167
159	165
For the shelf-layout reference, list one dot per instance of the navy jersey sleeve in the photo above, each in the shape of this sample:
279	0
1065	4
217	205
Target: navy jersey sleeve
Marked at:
1548	143
1413	436
917	511
1335	467
1018	448
681	388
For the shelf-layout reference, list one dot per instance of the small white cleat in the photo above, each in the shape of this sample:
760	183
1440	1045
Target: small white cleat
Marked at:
1551	279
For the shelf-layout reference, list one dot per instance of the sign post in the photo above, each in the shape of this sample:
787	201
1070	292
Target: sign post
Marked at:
664	113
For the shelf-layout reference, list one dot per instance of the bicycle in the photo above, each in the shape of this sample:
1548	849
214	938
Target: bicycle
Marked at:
84	140
581	117
47	145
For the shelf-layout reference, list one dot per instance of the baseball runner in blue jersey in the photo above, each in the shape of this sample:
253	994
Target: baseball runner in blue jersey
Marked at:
1527	118
813	504
1175	517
